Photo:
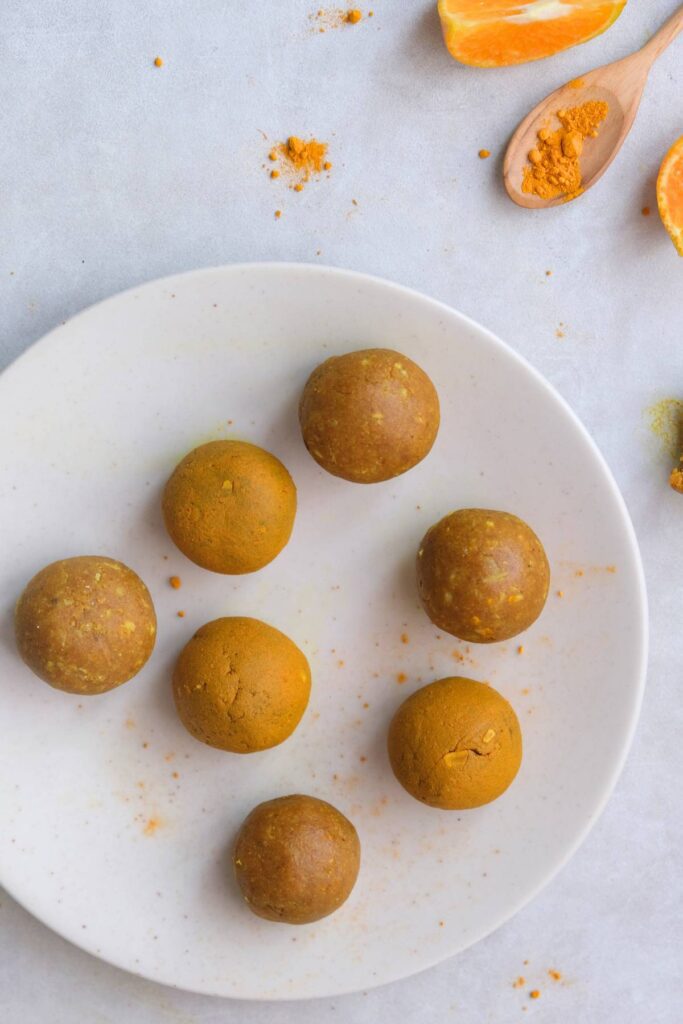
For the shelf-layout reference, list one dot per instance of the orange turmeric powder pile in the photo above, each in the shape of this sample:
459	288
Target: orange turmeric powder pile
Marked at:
299	159
554	164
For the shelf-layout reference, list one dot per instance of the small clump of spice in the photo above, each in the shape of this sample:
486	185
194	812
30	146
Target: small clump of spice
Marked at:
535	994
158	62
554	163
335	17
299	159
175	582
484	154
676	478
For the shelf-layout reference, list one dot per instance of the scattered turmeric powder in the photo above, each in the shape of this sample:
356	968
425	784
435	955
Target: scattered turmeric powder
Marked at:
278	214
555	975
520	649
299	159
520	983
645	211
401	677
535	994
335	17
158	62
181	615
484	154
175	582
405	639
555	168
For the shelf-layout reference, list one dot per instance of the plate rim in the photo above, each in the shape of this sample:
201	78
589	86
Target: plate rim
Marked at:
287	266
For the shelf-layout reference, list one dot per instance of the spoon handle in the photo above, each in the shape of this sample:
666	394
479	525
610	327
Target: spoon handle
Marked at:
665	36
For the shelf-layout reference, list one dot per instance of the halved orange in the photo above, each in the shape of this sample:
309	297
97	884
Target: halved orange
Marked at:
670	194
494	33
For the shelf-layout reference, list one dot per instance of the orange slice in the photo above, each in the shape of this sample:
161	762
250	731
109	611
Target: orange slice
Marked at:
493	33
670	194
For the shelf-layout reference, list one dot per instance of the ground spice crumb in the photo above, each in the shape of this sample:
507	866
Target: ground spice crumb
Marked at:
272	155
579	572
555	975
327	166
355	202
535	994
175	582
645	211
366	706
405	639
362	758
676	480
298	188
548	273
278	214
441	924
158	62
484	154
560	593
520	983
520	649
181	615
401	677
275	174
175	775
354	16
525	693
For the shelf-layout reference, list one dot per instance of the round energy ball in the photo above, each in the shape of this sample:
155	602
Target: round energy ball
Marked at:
369	416
229	506
296	859
241	685
85	625
455	744
483	576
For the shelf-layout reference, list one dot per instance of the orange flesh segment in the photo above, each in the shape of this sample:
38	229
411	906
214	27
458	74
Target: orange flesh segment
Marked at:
508	32
670	194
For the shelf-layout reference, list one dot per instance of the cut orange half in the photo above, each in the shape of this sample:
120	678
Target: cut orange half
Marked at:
494	33
670	194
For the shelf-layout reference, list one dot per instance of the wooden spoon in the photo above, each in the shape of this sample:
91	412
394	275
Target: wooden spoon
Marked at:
620	85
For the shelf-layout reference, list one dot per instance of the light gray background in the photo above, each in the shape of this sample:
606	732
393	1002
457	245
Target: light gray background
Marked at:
114	172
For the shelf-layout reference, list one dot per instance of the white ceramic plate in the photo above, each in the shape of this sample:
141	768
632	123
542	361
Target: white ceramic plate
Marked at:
115	825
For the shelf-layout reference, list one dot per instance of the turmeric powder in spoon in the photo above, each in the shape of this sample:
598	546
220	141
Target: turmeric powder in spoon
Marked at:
555	163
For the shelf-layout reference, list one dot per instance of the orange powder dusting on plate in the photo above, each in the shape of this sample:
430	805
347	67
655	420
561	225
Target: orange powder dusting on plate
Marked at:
401	677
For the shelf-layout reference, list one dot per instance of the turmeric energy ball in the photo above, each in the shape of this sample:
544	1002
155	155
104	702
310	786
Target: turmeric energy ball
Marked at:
86	624
369	416
455	744
229	506
296	859
241	685
483	576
